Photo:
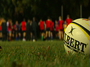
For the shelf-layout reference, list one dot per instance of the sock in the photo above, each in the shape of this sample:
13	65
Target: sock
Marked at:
51	37
42	37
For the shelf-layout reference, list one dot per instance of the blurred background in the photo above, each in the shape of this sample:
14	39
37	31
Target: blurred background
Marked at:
41	9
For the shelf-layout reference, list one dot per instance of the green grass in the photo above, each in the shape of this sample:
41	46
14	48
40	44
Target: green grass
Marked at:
39	54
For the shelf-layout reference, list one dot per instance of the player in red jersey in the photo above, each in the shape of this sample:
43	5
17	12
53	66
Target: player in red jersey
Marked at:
0	28
52	30
56	29
65	25
23	27
9	29
17	30
68	20
48	26
13	32
42	28
1	21
61	27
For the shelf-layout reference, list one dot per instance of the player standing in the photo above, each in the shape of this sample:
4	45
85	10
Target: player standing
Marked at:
23	25
42	29
61	28
51	29
68	20
48	26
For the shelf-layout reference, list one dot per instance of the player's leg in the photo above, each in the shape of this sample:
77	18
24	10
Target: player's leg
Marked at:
24	35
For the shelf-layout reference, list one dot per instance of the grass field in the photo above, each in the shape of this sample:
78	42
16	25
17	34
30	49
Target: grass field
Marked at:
39	54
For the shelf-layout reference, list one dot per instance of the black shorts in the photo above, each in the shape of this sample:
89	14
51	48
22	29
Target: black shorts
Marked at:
20	31
30	31
16	32
0	31
23	31
42	31
48	29
61	29
56	32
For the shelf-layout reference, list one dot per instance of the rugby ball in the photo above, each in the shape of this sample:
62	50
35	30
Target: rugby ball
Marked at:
77	37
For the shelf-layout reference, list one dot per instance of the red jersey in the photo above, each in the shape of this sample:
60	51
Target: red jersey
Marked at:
57	27
15	27
9	27
48	23
61	22
24	26
42	25
52	26
0	28
68	21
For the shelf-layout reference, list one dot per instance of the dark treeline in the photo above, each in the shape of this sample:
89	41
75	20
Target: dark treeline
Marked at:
19	9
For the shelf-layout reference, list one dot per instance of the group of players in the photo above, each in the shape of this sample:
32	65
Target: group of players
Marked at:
54	29
28	30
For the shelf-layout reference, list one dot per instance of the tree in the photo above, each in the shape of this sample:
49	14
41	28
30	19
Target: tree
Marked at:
41	8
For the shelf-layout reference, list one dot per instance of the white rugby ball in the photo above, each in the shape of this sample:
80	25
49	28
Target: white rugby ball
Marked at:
77	37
